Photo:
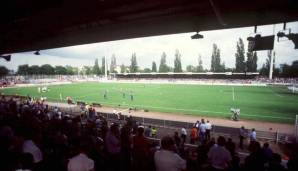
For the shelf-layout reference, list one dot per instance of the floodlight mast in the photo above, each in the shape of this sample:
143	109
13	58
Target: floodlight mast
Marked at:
272	54
271	64
106	69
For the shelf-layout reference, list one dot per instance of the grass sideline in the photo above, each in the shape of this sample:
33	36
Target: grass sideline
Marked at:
272	104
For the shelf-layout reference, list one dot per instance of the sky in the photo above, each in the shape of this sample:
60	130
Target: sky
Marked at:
149	49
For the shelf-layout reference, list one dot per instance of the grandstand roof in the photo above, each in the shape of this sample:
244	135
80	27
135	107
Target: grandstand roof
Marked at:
35	25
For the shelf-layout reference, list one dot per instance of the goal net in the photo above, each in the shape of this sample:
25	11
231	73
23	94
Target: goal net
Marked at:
293	88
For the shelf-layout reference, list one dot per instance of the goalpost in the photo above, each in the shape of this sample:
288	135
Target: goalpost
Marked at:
293	88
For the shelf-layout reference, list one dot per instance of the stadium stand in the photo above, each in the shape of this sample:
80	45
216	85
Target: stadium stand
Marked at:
35	136
190	75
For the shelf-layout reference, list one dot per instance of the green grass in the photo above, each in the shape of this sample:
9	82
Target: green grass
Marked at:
273	104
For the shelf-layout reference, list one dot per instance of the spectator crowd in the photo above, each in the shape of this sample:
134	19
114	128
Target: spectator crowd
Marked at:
34	136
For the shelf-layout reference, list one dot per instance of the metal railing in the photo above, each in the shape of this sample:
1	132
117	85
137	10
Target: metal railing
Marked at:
228	131
224	130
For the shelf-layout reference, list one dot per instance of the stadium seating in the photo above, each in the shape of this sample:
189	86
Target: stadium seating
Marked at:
61	131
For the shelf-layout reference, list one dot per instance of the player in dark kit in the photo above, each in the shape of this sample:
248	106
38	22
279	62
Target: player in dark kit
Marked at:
105	95
131	96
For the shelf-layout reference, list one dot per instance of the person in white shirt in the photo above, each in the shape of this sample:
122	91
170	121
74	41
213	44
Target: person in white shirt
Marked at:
219	156
81	162
183	135
30	147
202	129
166	159
253	135
208	130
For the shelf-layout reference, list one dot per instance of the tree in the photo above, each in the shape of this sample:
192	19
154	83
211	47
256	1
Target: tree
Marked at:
200	65
266	66
47	69
60	70
249	61
123	68
103	65
70	70
254	62
177	62
96	69
86	70
289	70
75	70
222	67
147	70
23	69
113	64
133	64
3	71
163	63
34	70
240	59
191	68
215	59
154	67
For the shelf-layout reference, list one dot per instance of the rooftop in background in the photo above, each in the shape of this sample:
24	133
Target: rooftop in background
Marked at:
33	25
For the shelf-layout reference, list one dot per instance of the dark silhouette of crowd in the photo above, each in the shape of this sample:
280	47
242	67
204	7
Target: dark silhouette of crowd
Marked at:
34	136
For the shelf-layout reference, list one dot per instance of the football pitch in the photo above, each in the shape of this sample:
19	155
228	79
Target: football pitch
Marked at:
273	104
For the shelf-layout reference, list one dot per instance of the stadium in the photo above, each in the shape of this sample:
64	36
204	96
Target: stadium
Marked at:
59	111
185	97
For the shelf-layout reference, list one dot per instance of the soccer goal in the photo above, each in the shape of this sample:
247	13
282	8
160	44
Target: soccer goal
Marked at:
293	88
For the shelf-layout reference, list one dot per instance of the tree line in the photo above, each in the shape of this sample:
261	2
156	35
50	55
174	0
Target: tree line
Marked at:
244	62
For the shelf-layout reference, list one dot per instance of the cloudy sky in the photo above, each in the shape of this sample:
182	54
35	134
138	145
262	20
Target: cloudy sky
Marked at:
149	49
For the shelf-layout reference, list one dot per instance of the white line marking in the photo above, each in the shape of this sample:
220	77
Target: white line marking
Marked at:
275	93
181	109
177	109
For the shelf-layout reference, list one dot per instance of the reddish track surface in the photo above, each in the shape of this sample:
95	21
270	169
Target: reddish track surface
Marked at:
261	126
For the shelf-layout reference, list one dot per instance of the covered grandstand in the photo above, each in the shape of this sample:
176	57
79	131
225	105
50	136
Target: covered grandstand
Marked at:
188	75
40	136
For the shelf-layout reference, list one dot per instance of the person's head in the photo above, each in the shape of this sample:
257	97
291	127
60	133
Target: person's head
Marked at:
254	146
176	134
253	130
84	144
203	120
242	127
149	126
266	145
140	131
114	128
207	121
221	141
167	143
276	158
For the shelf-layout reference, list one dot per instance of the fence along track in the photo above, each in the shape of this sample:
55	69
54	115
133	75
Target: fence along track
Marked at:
225	130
